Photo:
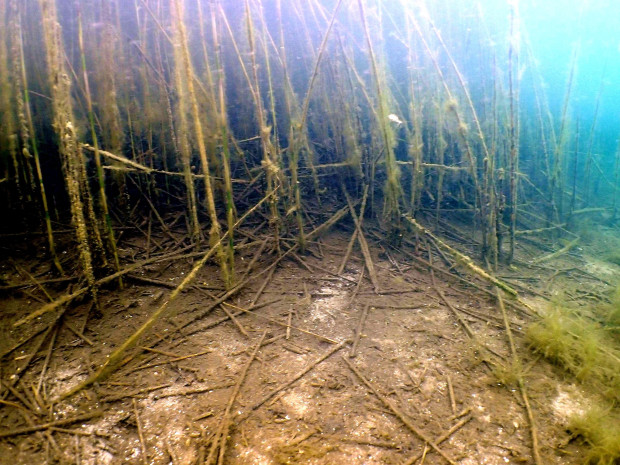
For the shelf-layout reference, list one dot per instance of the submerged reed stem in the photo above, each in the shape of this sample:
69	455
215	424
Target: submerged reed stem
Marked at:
188	76
29	135
393	189
68	146
107	220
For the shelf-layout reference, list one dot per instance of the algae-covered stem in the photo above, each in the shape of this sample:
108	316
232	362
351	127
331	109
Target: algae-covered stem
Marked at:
270	153
486	197
17	37
222	126
182	145
393	189
452	108
215	230
298	130
461	258
291	107
414	136
91	119
74	168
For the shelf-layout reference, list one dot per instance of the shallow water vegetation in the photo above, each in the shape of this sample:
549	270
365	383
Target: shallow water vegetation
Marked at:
583	347
509	373
589	349
600	428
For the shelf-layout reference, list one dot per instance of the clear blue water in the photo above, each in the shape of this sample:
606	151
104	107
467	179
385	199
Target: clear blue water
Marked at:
558	28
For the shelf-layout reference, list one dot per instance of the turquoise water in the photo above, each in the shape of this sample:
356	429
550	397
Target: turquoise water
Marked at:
591	29
552	39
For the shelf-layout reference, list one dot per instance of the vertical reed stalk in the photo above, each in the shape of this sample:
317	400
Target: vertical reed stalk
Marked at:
8	137
272	170
111	130
30	135
291	106
288	89
350	124
99	169
586	176
68	144
440	150
489	236
490	176
222	126
266	38
298	132
544	117
184	148
414	136
575	165
513	68
486	197
188	76
557	176
17	124
393	189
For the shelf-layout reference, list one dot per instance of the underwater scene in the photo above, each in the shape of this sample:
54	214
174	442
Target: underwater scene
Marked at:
309	232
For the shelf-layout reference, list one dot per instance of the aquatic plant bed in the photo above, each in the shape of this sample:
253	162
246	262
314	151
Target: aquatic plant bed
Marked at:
302	364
